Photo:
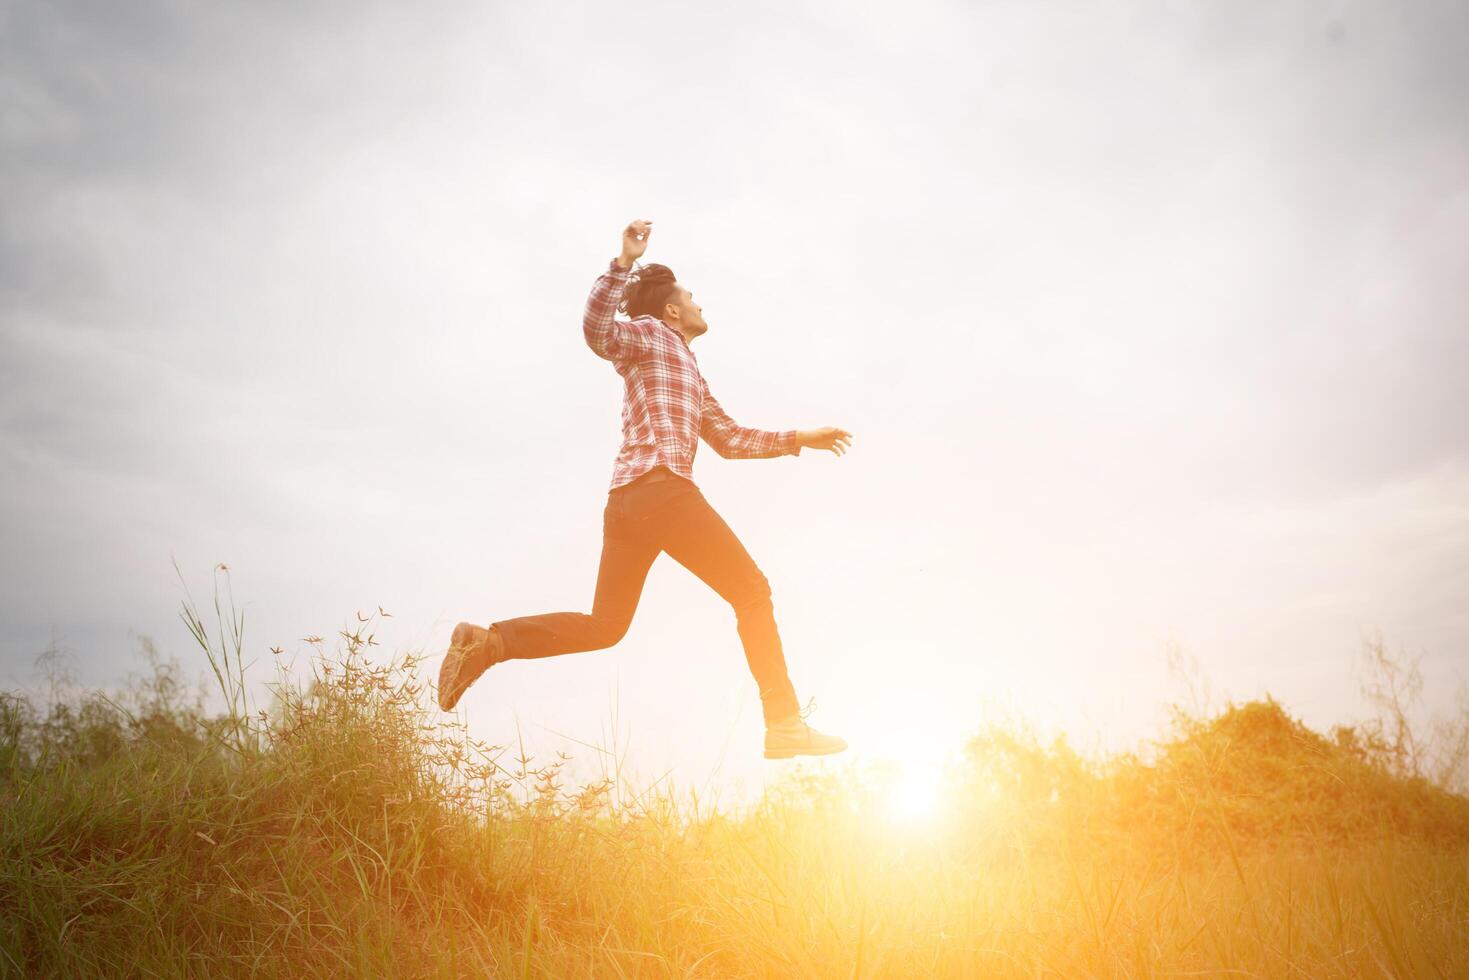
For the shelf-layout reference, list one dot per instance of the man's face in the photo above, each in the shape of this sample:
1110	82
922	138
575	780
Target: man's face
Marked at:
690	314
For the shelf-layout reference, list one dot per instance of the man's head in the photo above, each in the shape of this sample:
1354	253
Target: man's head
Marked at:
653	291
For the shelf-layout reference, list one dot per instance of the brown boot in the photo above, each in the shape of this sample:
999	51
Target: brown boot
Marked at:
790	737
472	651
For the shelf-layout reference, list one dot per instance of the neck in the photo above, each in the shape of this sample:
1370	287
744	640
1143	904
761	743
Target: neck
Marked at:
679	329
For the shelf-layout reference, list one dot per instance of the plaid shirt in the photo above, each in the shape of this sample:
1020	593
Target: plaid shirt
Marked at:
666	404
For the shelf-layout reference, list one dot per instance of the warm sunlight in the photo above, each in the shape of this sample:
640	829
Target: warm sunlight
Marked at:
916	793
731	491
910	776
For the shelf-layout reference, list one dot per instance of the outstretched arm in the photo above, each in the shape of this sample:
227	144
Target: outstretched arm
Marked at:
607	336
737	442
734	441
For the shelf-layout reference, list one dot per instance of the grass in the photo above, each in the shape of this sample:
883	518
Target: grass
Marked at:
346	830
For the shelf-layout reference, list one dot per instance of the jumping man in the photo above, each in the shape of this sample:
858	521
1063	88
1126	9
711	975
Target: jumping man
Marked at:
653	505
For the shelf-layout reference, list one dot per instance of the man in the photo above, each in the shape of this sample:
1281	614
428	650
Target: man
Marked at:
653	505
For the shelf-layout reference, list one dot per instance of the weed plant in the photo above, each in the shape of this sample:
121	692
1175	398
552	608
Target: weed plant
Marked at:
347	829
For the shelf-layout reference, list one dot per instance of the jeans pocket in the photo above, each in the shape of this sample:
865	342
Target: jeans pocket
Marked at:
645	502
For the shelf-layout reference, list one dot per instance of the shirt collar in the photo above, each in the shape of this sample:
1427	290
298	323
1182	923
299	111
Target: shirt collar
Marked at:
680	336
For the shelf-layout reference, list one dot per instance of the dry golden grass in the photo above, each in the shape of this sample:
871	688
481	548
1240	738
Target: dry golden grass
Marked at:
346	831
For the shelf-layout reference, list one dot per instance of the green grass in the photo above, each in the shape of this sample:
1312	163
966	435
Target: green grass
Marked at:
347	831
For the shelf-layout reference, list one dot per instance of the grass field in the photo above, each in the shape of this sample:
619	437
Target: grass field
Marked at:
345	831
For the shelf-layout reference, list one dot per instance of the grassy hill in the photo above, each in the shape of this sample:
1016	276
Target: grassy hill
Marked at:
346	831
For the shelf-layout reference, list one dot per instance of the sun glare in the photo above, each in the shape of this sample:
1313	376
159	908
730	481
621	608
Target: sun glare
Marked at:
916	792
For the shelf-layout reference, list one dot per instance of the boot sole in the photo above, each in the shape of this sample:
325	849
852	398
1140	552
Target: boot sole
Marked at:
792	753
457	642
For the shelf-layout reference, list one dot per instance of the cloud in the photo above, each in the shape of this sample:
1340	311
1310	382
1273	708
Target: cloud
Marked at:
297	287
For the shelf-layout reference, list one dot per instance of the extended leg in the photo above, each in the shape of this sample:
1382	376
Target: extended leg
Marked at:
626	557
699	539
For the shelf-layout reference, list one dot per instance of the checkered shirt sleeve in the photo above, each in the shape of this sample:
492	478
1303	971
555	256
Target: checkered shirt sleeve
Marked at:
666	406
734	441
607	336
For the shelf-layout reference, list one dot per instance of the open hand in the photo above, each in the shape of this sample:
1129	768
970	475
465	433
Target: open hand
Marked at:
635	242
830	438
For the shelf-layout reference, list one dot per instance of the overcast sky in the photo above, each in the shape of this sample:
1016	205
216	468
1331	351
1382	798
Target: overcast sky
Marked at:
1149	320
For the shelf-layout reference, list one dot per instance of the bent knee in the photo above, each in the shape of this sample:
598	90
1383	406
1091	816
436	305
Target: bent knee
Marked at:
609	632
754	595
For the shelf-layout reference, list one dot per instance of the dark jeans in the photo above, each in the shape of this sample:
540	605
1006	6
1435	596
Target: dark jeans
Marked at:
643	519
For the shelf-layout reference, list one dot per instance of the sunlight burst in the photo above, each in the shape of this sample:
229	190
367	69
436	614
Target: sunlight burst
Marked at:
916	792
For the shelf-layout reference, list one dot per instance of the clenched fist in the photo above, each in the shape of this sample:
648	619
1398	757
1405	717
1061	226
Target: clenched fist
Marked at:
634	242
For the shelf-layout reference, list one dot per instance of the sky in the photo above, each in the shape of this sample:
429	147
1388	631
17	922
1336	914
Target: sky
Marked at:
1147	319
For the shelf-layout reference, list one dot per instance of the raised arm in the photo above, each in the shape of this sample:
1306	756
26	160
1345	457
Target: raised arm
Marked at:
606	335
737	442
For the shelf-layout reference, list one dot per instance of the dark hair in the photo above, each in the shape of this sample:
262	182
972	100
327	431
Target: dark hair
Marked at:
648	289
